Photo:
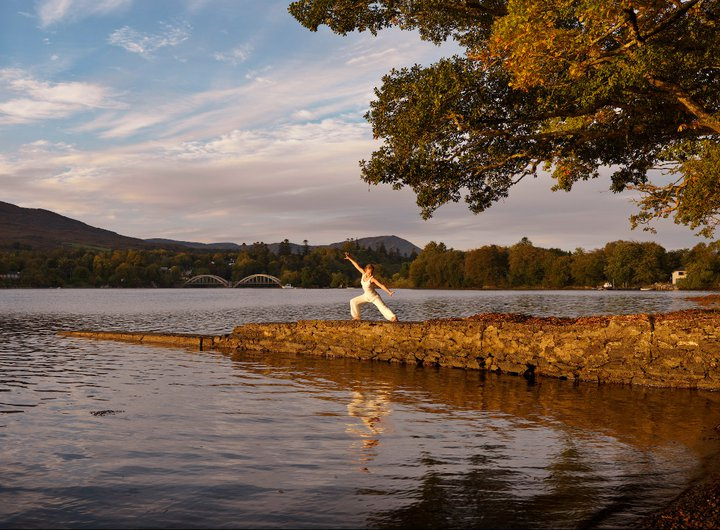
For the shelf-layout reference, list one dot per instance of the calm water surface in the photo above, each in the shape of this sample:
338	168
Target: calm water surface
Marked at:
110	435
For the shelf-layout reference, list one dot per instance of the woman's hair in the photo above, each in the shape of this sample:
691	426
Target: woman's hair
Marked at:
370	266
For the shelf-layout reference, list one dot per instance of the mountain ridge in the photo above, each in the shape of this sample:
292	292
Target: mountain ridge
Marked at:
390	242
44	229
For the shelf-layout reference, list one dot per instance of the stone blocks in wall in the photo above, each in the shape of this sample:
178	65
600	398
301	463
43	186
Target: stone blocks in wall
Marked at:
670	350
677	349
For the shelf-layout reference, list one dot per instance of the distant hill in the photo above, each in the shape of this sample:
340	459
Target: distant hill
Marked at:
192	244
42	229
294	248
391	243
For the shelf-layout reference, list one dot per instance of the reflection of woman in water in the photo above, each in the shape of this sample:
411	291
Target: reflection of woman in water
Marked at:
370	406
369	296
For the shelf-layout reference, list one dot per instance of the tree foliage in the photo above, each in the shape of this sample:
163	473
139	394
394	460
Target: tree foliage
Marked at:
703	270
626	264
319	267
567	86
487	266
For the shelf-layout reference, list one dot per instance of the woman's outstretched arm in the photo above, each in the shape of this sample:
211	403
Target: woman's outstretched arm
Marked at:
358	267
388	291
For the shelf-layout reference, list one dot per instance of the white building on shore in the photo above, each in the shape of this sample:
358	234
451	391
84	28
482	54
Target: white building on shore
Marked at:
678	275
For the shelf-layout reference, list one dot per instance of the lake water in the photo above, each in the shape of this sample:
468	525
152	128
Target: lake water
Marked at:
97	434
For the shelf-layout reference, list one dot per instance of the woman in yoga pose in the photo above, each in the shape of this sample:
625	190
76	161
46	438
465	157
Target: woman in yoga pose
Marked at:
370	295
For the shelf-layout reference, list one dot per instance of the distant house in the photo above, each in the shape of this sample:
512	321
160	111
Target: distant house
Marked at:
678	275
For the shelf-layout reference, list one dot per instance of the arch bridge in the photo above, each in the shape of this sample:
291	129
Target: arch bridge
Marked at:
254	280
207	280
259	280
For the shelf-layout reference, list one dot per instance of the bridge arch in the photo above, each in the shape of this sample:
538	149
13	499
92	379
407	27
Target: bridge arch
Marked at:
206	280
258	280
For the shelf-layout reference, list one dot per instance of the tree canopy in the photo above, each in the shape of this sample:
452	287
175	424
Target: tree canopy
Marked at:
564	86
625	264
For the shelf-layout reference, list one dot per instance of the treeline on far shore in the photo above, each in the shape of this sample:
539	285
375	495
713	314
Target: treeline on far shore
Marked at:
624	264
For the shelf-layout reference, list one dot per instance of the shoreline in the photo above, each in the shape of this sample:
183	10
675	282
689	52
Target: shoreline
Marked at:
459	289
696	507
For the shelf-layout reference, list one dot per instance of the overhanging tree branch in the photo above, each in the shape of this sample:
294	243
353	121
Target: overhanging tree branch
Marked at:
705	119
672	18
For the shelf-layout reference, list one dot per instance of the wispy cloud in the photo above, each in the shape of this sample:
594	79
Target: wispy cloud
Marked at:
113	125
279	97
37	100
306	140
236	56
43	147
374	57
51	12
145	44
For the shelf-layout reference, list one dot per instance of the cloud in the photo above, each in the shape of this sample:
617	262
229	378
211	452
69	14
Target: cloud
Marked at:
296	90
41	100
51	12
124	125
374	57
145	44
236	56
315	139
43	147
281	96
264	181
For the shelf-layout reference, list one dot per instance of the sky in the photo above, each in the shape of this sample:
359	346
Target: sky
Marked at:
227	121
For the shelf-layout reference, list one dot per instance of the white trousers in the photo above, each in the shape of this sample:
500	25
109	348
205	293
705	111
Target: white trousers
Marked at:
356	302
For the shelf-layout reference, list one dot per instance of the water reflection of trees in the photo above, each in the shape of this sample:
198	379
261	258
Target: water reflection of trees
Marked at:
574	497
478	499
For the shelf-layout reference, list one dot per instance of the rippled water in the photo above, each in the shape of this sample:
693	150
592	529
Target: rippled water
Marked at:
103	434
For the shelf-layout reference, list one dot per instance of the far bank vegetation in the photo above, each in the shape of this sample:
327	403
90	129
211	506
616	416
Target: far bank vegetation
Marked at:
624	264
